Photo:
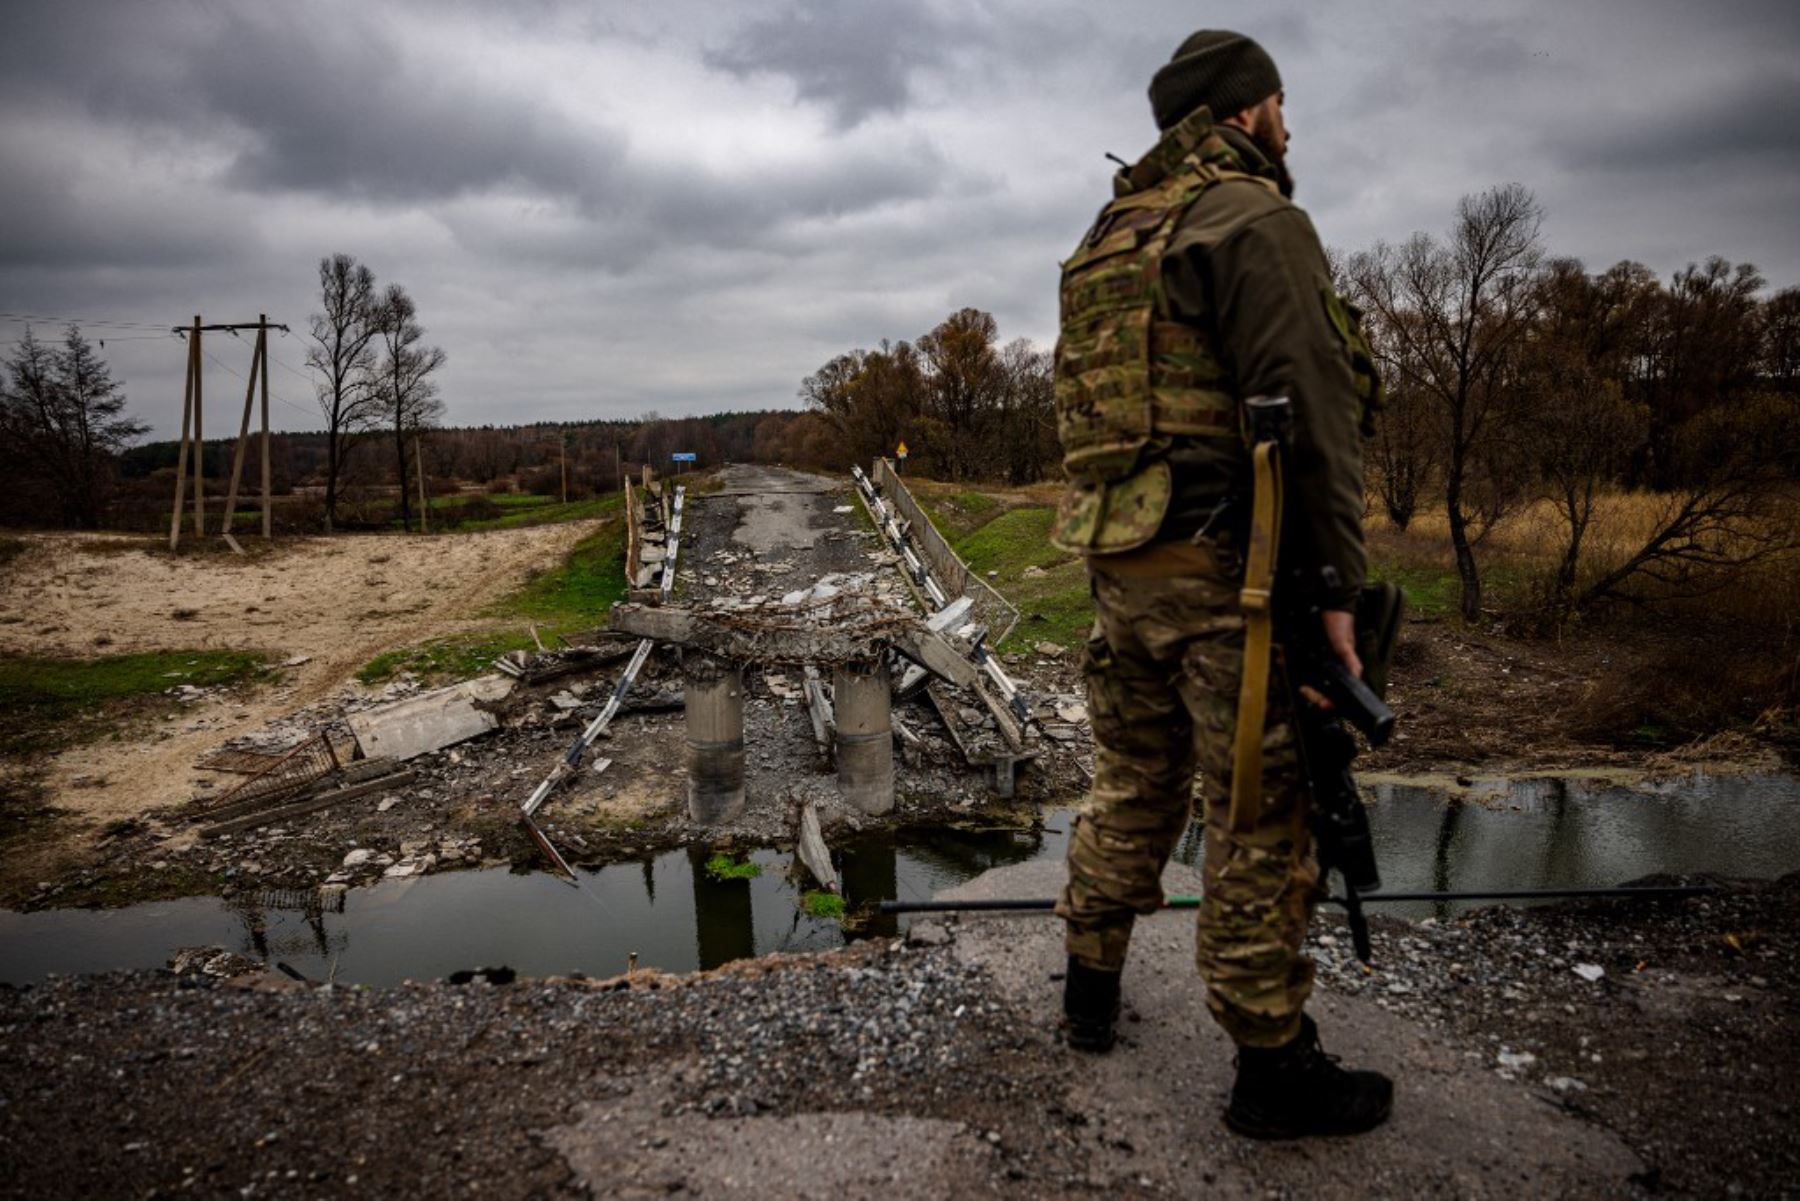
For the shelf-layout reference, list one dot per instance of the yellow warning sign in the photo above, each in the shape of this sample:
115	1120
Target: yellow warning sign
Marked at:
900	450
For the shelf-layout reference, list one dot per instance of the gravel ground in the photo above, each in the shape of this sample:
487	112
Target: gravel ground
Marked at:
1682	1043
149	1083
260	1086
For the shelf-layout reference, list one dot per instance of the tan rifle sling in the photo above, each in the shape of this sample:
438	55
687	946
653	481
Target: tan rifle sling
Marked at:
1259	636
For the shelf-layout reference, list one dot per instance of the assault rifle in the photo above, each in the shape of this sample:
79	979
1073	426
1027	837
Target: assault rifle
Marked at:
1327	747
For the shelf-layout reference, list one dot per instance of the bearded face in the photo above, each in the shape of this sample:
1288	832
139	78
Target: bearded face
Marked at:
1268	129
1268	125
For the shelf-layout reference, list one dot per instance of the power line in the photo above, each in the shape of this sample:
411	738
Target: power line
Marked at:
102	340
227	368
296	373
23	317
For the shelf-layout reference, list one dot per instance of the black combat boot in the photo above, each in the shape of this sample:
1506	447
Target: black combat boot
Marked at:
1090	1005
1298	1090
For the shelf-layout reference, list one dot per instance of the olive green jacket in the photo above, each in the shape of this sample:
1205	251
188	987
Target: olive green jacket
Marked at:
1248	261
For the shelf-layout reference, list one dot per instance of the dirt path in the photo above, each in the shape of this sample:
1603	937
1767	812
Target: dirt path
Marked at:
328	605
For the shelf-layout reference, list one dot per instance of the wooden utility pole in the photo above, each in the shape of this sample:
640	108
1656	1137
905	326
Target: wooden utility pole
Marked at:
187	416
199	443
563	442
258	363
262	343
196	444
424	505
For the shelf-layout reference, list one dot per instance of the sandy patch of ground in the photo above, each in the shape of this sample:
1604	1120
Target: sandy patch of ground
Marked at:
337	601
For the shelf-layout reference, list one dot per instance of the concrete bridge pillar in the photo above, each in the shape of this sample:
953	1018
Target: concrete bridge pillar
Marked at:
714	700
863	700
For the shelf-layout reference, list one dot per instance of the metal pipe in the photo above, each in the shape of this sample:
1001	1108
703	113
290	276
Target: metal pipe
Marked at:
1193	902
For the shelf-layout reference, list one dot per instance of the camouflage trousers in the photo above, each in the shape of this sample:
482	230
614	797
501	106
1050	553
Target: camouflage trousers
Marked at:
1163	666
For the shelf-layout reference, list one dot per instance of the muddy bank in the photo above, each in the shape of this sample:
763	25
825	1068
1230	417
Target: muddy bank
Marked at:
931	1069
1486	702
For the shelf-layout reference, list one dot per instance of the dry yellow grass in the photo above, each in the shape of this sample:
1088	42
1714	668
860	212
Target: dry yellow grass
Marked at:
1521	552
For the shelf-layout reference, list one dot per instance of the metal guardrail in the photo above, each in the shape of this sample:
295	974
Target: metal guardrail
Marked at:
953	575
899	534
304	765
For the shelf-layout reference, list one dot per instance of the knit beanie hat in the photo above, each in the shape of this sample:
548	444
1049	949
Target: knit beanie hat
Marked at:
1225	71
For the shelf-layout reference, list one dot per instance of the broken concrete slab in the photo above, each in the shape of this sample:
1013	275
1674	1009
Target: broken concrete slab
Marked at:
952	616
430	721
812	849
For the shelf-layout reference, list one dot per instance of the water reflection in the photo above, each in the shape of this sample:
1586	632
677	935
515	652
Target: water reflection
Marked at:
668	910
1574	832
1532	834
726	929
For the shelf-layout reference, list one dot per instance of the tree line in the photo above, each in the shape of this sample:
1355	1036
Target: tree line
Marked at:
967	407
62	425
1516	377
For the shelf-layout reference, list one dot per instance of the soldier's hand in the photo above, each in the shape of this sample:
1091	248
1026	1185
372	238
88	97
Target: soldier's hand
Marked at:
1340	636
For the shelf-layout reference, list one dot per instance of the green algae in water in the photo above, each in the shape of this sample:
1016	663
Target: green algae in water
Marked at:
728	867
821	904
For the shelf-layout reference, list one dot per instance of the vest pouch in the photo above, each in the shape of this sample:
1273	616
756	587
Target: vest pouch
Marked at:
1101	517
1105	412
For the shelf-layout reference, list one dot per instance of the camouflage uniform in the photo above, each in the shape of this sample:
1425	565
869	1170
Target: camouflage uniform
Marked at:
1163	664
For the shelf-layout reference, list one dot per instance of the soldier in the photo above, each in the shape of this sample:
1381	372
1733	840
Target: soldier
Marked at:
1200	286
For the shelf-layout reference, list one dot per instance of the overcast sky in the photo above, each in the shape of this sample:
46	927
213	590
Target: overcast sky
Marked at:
606	209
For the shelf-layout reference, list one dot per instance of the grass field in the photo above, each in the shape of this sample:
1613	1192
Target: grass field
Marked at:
519	509
49	702
1006	531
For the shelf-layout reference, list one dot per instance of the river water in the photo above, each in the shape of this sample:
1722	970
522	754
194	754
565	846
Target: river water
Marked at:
1531	833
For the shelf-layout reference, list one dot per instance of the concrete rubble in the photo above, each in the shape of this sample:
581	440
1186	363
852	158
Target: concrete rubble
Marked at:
432	721
459	761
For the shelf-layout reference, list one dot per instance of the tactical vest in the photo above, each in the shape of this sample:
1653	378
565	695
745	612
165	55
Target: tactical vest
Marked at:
1125	371
1128	376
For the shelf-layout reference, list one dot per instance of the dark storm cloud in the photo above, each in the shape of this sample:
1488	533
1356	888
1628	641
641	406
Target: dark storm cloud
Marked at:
855	58
330	106
1751	120
607	208
348	109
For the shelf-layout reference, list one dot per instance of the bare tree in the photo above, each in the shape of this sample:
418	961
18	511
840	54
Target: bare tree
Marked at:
1026	426
965	381
62	421
1701	353
1405	458
402	384
1733	514
1456	310
1780	319
345	358
1581	427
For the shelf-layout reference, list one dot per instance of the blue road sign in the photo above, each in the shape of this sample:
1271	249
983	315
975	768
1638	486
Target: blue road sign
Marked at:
685	456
